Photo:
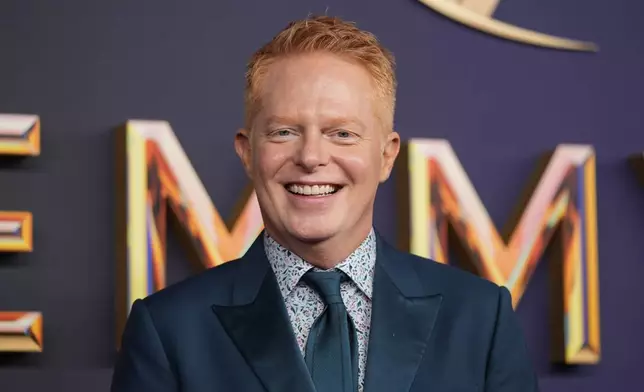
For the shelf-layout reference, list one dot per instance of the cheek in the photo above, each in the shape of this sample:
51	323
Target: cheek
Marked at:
361	168
268	160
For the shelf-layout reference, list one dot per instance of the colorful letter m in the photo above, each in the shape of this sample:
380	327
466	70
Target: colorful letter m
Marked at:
439	196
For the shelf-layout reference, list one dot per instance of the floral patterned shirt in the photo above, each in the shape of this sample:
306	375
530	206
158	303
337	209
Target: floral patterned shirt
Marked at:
304	305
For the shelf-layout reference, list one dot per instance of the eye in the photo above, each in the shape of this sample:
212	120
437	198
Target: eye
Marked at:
282	133
342	134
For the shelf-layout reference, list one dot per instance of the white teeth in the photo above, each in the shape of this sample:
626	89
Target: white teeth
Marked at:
312	190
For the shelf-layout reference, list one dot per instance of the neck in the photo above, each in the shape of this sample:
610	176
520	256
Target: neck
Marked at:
325	254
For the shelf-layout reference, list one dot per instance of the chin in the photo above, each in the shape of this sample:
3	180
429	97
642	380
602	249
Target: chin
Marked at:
312	233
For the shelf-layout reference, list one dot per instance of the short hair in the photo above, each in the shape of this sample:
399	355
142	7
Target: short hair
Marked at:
331	35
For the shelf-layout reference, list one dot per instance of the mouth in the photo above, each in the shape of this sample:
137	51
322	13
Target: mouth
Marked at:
317	190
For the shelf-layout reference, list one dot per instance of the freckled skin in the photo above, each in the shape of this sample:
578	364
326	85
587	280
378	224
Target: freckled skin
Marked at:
318	123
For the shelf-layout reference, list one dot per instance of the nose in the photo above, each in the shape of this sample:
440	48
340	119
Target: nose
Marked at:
312	151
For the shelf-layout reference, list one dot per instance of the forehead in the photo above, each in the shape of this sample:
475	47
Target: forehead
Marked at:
315	86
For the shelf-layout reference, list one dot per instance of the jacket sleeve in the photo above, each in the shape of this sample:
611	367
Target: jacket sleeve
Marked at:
509	367
142	364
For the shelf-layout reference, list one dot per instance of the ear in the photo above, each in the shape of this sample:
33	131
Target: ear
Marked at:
243	149
390	152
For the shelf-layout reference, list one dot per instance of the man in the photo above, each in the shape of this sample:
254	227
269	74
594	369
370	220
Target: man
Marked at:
320	302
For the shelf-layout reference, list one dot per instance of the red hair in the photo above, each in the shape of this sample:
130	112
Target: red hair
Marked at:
332	35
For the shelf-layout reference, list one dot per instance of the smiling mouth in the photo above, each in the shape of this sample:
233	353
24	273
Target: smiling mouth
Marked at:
312	190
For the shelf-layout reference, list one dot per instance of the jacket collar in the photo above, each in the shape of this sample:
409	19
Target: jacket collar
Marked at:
404	312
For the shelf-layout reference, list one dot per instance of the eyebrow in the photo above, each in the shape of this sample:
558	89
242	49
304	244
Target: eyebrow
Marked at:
339	121
330	122
279	120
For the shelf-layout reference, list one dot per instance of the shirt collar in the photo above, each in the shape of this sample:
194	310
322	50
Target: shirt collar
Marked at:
289	268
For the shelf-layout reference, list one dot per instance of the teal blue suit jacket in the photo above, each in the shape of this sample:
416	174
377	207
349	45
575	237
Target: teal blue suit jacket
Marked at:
434	328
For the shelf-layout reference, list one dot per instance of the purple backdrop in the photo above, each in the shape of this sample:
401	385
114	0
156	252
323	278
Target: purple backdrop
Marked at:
85	67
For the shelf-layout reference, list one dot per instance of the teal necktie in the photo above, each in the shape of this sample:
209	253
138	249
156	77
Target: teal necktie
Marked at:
331	354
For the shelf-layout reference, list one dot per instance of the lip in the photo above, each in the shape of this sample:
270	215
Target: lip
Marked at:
311	183
305	201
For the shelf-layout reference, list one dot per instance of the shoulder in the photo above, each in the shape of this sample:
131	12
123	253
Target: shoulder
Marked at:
455	280
459	288
199	290
467	300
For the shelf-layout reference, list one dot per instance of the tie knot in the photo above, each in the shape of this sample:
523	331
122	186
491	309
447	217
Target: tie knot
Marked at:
327	284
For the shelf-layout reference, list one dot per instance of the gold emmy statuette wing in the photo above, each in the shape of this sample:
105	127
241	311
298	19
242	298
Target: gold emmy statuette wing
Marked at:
478	14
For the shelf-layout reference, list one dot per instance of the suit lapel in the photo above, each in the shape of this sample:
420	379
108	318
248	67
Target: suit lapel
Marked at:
255	318
403	316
